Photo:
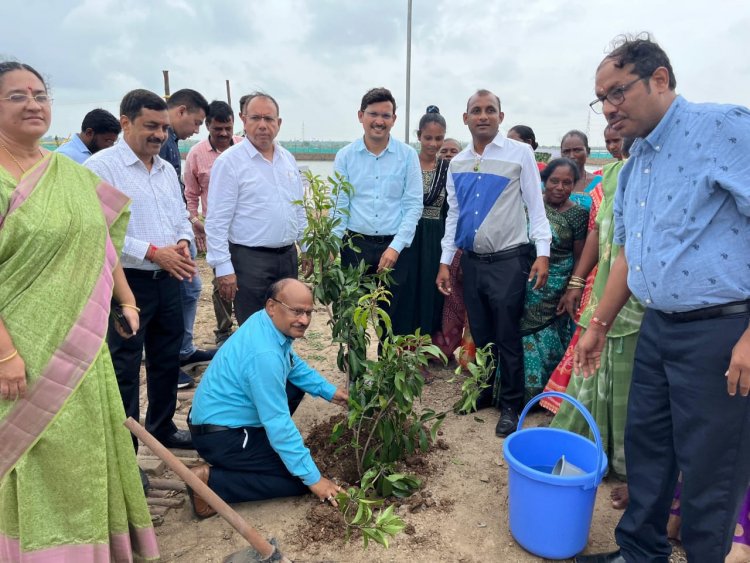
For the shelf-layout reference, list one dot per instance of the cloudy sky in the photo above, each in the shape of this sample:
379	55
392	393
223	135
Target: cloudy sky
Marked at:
318	57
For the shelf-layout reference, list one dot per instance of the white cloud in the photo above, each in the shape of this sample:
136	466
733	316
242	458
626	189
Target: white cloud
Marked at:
318	57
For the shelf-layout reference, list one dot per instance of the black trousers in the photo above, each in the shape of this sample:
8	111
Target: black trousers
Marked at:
493	295
370	252
160	332
256	269
244	466
681	418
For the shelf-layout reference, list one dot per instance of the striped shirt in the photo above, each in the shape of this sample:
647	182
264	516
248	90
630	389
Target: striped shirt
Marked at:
157	212
198	165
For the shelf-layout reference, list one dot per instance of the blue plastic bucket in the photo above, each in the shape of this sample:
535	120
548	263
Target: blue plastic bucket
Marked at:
550	515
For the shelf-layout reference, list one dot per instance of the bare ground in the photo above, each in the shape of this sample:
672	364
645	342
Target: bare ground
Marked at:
464	520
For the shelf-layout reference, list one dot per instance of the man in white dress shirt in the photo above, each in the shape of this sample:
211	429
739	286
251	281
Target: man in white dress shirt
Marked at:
155	258
492	186
254	223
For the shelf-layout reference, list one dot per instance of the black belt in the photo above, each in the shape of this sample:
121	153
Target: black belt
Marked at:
271	250
377	239
522	250
712	312
149	274
201	429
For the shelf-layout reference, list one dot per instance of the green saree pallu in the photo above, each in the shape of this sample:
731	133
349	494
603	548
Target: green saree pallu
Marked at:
605	394
69	483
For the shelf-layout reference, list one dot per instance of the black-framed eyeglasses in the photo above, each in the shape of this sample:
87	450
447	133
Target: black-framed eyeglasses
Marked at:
296	312
616	96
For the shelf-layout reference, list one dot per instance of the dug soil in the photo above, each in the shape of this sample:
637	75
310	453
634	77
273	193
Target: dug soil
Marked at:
461	513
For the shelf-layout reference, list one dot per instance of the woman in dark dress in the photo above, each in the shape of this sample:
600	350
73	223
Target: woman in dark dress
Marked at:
423	304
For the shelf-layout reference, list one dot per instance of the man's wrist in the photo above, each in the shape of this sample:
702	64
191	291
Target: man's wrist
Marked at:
151	252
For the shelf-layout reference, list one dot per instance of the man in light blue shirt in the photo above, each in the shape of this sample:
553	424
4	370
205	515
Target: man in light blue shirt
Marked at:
241	417
383	211
99	130
682	217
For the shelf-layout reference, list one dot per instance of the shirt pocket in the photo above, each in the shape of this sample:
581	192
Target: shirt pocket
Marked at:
393	186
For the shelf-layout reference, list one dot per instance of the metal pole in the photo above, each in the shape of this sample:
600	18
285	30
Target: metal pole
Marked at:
166	84
229	94
408	73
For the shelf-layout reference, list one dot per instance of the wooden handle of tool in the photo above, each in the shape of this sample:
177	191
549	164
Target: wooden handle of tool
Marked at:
259	543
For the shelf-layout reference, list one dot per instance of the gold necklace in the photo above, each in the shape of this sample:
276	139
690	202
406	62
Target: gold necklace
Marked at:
14	159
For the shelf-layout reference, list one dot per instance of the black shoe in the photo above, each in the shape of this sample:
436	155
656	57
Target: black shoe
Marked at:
612	557
198	358
144	481
507	423
185	380
181	439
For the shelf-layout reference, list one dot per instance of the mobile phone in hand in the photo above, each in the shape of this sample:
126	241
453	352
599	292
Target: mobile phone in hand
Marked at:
121	320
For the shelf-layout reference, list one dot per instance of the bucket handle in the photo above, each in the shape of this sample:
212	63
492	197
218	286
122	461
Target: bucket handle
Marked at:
598	474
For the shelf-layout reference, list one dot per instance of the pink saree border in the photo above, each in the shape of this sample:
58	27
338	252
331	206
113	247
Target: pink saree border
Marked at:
25	186
69	363
139	541
112	201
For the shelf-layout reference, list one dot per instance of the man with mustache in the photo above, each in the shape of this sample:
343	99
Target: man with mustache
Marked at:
155	259
381	215
198	164
682	218
242	411
254	223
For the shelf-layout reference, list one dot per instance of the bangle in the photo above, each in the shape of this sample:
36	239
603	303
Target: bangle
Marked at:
578	279
13	354
129	306
598	321
194	219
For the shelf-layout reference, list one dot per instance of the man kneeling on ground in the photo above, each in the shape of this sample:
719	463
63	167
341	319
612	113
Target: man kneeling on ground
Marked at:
241	418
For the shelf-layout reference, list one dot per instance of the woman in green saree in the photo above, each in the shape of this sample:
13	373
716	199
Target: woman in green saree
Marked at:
546	328
69	483
605	394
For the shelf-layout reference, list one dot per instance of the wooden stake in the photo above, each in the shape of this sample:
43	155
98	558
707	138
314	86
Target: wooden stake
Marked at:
259	543
166	84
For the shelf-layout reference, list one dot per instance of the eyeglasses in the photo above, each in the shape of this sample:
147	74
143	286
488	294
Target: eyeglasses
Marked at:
375	115
616	96
296	312
41	99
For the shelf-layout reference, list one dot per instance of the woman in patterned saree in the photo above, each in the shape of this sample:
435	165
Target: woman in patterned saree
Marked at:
69	483
545	326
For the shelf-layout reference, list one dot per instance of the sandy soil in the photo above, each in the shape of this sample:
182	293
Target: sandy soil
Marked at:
468	521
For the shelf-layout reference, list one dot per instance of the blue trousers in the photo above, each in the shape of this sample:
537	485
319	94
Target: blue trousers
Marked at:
681	418
244	466
190	292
